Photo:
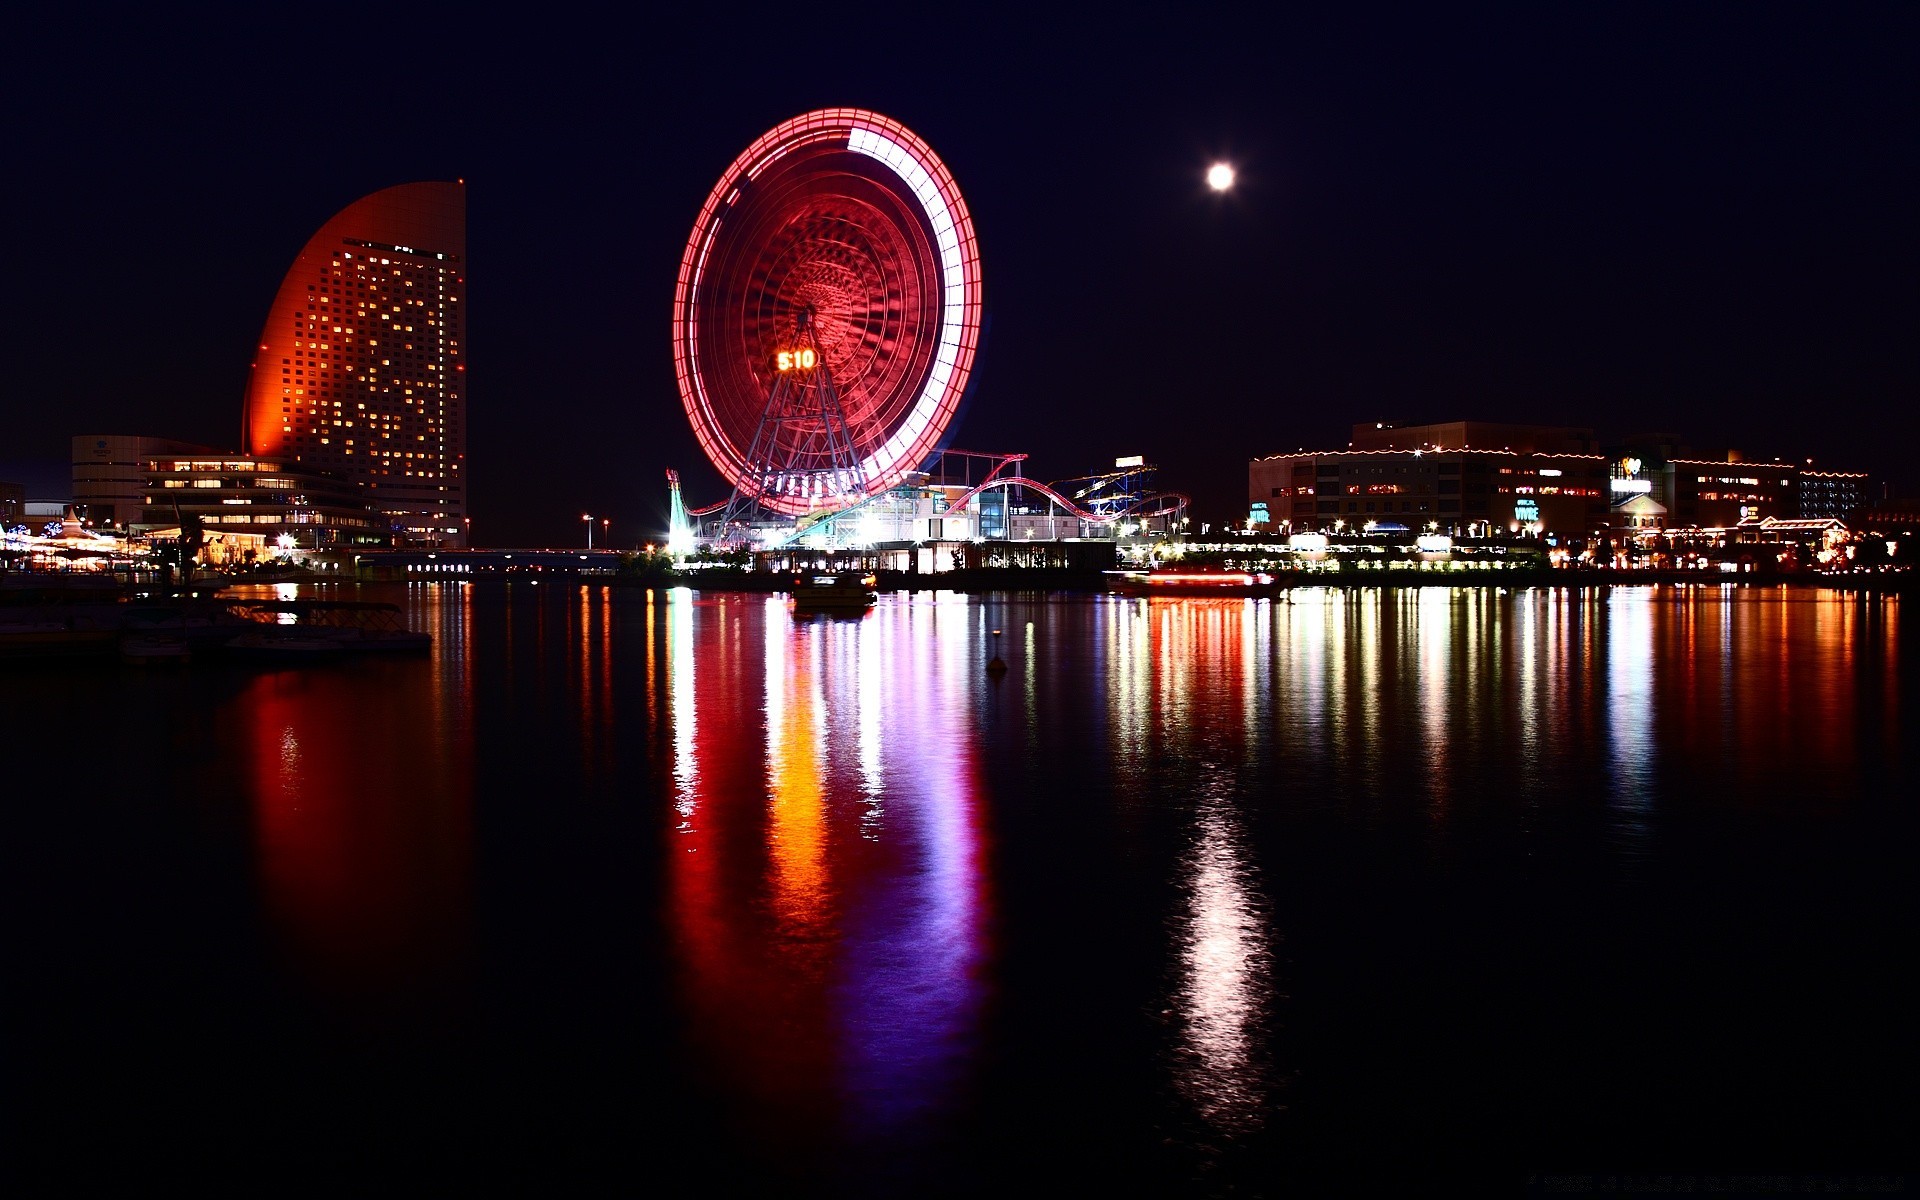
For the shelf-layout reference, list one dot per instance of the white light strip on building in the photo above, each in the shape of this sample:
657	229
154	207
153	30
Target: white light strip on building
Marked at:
895	156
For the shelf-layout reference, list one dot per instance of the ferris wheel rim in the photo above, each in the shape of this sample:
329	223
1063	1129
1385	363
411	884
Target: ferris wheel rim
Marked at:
916	177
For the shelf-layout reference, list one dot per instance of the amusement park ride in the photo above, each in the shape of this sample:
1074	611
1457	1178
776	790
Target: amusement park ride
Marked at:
826	319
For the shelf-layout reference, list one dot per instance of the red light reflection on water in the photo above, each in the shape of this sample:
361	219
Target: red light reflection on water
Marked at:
827	886
365	876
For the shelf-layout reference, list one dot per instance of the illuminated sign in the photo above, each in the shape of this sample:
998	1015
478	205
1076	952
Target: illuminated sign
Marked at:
1551	471
1131	460
1257	514
1626	487
1630	467
1433	543
788	360
1526	510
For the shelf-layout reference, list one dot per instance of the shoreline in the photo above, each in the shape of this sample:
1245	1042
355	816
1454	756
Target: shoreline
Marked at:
1098	583
61	592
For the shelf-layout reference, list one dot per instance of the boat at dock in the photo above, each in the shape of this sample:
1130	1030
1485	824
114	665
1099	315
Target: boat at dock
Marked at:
356	626
149	631
1191	581
156	649
842	591
284	645
54	633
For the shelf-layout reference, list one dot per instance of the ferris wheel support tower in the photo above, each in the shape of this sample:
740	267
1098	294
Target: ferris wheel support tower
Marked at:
802	445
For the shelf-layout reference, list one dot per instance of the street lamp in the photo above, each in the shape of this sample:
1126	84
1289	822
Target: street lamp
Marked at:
588	518
605	524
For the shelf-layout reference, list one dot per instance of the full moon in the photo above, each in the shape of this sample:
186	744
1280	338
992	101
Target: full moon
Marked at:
1220	177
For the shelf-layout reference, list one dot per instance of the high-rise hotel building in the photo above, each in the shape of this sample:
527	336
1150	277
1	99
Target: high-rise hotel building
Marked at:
361	368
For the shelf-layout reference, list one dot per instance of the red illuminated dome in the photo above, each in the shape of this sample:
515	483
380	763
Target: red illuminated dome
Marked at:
837	236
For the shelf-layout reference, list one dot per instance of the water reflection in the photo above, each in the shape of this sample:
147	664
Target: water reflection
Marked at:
1441	624
1225	989
1223	992
796	735
1630	709
830	936
824	797
362	818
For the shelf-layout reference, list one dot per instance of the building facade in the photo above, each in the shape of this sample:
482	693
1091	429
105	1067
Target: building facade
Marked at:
1467	478
1455	491
360	370
1718	493
110	474
1831	493
1459	492
1478	478
260	505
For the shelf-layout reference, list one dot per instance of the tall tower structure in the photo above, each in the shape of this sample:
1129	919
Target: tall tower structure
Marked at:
361	368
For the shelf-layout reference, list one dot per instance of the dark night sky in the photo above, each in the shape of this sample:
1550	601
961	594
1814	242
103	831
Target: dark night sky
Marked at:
1695	218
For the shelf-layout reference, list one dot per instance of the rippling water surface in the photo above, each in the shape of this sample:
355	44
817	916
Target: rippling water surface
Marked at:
1198	897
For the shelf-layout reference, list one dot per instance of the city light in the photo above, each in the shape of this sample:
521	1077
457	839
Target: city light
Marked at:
1220	177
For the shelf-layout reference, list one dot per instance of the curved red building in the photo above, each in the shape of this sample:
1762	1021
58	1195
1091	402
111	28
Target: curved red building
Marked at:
361	368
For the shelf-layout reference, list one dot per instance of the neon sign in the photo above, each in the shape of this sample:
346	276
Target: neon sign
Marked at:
788	360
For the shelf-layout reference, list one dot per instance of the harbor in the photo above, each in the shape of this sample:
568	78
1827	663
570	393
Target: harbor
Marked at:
93	618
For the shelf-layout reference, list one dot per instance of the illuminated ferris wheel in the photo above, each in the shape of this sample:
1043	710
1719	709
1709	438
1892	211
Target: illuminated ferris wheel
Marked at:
827	312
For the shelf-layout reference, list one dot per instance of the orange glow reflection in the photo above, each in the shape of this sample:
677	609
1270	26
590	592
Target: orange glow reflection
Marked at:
825	856
796	746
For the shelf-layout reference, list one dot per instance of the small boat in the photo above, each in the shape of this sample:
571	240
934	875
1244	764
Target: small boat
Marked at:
154	650
45	636
360	627
1191	581
284	644
844	591
392	641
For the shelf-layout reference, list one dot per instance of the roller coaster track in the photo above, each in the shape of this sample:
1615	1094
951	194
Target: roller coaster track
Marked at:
1152	504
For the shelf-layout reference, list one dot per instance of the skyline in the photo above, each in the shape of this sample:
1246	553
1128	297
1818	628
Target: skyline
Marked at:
1635	220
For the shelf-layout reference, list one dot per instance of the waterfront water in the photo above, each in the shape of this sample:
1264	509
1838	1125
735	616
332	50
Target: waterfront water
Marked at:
677	891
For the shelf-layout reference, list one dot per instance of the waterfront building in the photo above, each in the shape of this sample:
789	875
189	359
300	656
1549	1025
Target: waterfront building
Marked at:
1721	489
1637	513
1422	480
44	515
13	504
110	474
260	506
1900	517
1039	522
360	370
916	512
1714	493
1830	493
1486	478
